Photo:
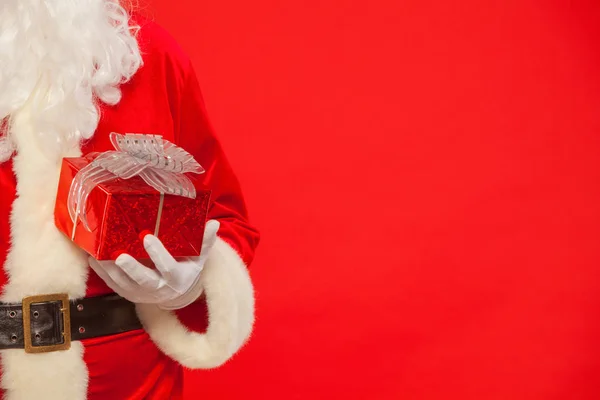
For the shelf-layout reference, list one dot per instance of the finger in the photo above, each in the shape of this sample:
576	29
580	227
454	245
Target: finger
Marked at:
163	260
210	234
101	270
97	267
211	228
140	274
120	278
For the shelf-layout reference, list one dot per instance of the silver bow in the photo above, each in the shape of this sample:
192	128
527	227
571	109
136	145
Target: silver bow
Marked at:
160	163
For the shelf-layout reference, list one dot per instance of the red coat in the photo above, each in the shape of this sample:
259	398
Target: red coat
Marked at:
163	98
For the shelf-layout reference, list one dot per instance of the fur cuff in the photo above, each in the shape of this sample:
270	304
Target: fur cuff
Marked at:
230	298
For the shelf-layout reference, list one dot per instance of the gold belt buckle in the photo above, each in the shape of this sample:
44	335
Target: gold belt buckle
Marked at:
66	314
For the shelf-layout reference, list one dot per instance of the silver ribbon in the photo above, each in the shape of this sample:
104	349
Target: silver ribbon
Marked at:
160	163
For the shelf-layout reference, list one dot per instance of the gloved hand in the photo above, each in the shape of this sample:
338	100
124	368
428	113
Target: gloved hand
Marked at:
174	285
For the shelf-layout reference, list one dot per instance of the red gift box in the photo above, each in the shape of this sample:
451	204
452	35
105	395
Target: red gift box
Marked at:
121	211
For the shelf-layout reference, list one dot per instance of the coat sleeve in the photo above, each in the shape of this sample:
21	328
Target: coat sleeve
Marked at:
210	331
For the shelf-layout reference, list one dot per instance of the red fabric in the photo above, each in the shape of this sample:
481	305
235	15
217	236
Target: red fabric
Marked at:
163	98
8	187
137	370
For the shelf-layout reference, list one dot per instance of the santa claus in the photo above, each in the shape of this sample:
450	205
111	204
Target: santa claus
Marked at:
72	72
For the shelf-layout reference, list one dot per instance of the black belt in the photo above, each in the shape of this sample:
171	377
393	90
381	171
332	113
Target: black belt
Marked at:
49	323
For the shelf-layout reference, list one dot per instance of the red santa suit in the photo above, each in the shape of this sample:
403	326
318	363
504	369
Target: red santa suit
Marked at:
164	98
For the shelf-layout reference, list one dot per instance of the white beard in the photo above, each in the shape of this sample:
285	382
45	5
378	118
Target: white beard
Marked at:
58	57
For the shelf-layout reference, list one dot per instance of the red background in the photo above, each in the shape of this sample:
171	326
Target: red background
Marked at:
426	178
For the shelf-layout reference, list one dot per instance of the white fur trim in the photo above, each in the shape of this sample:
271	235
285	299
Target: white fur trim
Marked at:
51	376
230	297
58	59
41	261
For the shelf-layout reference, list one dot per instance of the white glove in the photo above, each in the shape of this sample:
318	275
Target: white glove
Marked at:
174	285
